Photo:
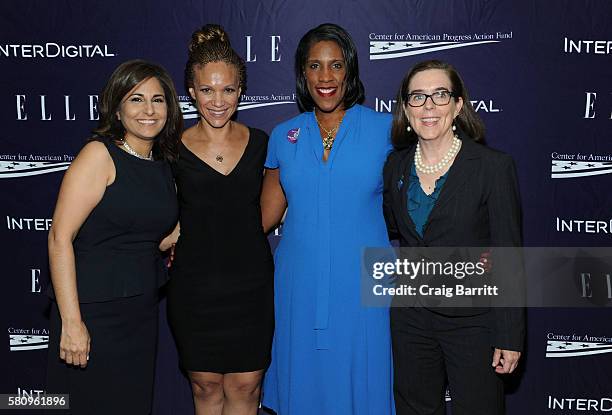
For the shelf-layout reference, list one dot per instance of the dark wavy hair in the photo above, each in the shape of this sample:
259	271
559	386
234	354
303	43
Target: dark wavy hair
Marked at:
467	120
212	44
122	81
354	92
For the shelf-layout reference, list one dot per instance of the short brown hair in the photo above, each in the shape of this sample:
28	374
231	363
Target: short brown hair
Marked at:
467	120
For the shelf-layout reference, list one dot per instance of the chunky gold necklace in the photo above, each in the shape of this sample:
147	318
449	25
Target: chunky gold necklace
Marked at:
328	141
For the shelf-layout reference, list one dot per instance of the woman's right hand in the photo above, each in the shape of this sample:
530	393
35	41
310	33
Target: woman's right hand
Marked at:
273	201
75	344
170	240
83	187
171	256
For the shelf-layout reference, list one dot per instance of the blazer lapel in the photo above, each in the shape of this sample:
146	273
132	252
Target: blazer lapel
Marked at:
463	168
402	176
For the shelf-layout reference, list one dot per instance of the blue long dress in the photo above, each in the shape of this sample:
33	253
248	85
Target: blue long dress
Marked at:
331	355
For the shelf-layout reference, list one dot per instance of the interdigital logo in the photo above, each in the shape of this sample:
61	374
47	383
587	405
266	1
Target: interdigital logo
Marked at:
584	226
480	105
28	339
28	224
580	404
597	47
55	50
399	45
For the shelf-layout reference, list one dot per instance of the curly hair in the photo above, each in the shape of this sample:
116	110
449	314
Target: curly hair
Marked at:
211	44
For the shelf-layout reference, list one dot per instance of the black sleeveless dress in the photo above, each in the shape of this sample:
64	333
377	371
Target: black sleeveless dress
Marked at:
221	291
119	270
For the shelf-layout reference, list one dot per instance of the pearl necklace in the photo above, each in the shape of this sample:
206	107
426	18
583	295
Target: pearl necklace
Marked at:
328	141
133	152
423	168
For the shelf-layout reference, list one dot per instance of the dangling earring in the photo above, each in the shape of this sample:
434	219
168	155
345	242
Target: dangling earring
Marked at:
408	128
454	127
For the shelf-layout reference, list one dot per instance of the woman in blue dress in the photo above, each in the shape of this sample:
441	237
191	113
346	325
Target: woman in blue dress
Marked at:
331	354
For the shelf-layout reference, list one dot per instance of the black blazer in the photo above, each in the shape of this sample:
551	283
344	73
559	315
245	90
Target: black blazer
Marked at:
479	206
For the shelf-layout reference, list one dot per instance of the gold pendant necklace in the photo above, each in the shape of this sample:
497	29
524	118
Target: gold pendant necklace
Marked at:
328	141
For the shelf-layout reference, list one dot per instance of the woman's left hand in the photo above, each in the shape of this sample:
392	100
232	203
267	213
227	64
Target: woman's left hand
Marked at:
505	361
485	260
171	257
169	241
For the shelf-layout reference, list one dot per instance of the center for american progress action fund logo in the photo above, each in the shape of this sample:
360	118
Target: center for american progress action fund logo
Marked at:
399	45
247	102
27	339
22	165
572	165
576	345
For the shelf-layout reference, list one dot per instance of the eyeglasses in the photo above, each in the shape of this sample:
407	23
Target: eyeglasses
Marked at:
439	98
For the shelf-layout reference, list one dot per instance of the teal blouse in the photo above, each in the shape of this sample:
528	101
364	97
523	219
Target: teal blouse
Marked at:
420	203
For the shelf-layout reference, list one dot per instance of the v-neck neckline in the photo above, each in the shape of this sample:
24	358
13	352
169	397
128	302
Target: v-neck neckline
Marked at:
340	135
211	167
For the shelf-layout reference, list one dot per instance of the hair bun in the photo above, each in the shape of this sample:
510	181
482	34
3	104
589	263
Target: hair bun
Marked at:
210	33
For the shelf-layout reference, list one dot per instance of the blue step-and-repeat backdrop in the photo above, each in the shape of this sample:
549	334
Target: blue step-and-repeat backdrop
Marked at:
539	73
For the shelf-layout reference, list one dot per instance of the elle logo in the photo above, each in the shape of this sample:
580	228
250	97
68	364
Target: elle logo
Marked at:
589	111
275	56
588	285
24	107
35	278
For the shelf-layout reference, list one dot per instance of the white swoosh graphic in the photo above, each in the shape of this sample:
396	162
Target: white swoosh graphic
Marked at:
427	50
22	348
579	174
33	173
248	106
584	353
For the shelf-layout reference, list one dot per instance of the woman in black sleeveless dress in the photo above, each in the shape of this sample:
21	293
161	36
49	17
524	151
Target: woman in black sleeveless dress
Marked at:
116	202
220	296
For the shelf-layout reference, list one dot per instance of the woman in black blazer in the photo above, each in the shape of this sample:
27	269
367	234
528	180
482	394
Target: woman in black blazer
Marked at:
444	189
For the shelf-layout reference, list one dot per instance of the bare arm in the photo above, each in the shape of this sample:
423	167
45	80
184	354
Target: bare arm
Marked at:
81	190
273	201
